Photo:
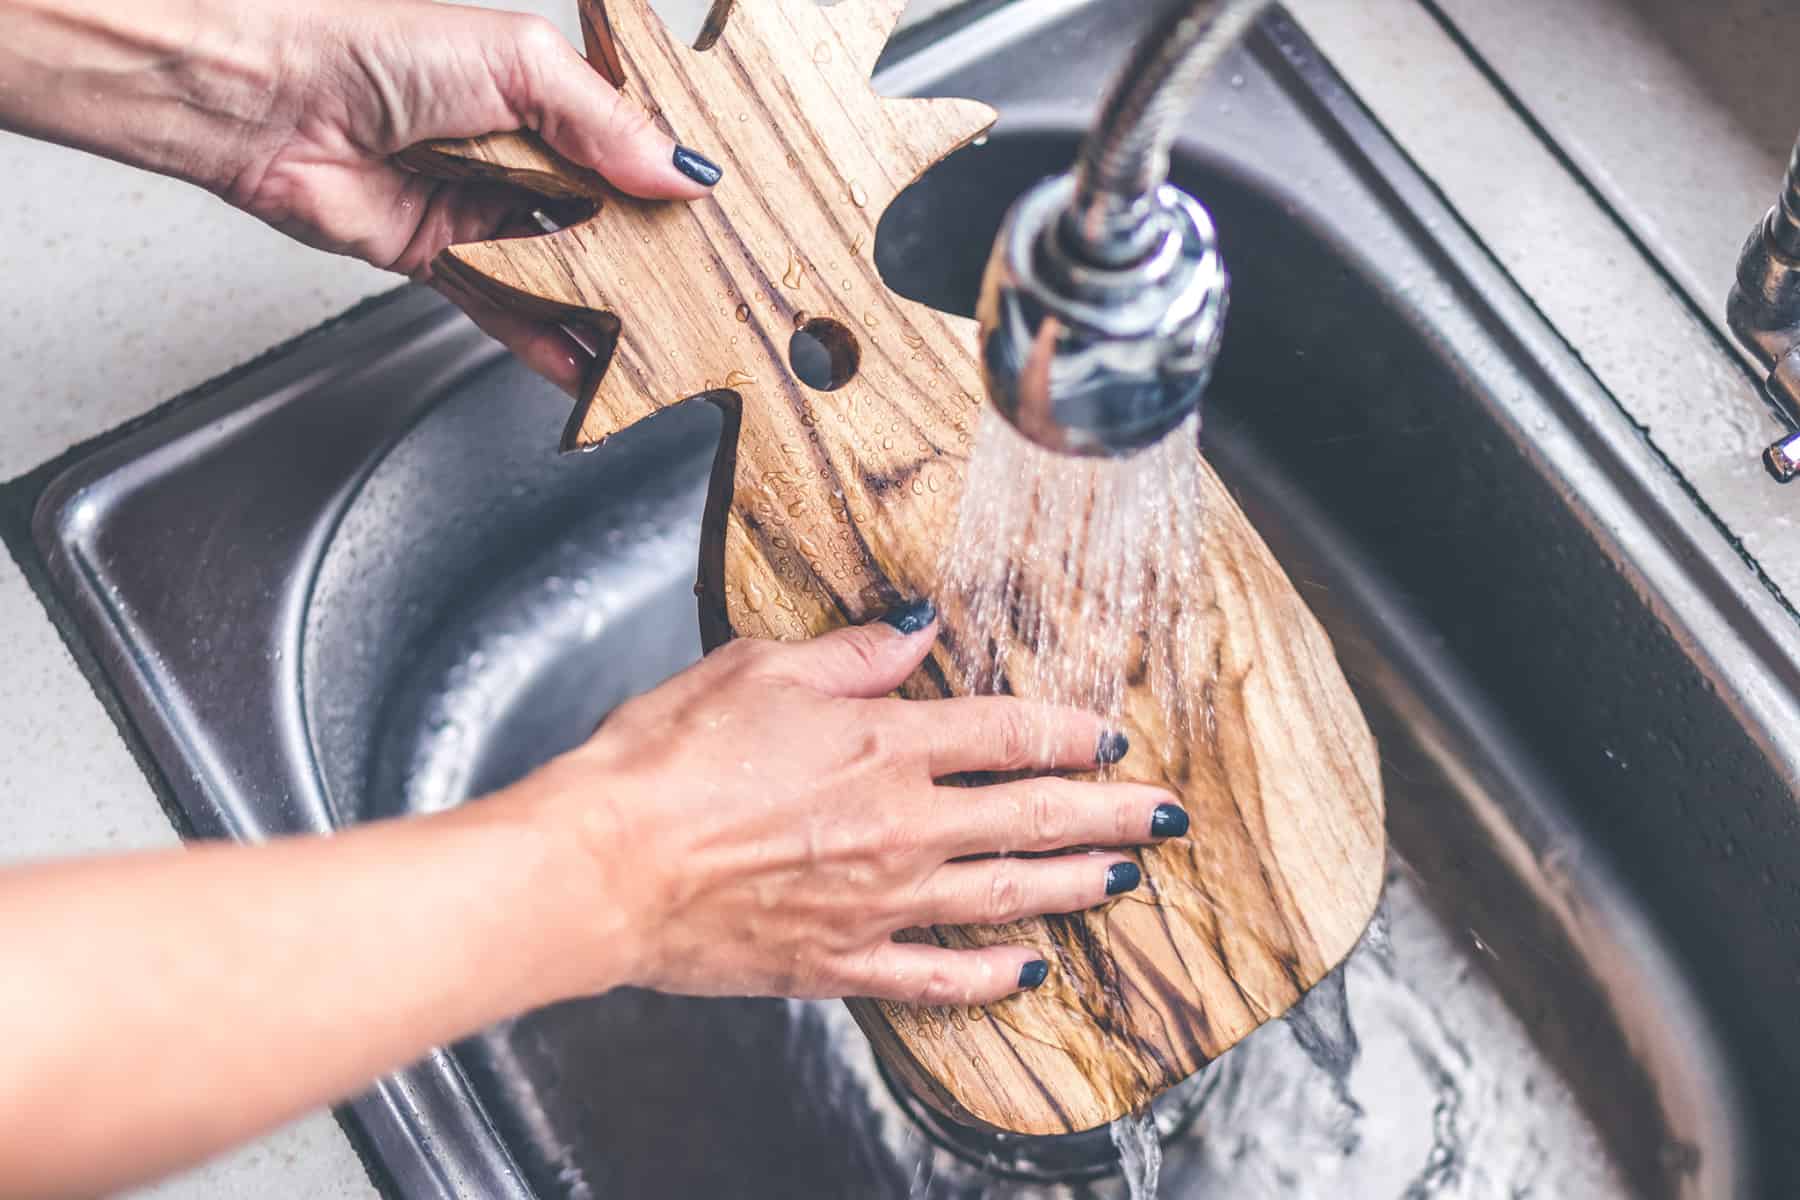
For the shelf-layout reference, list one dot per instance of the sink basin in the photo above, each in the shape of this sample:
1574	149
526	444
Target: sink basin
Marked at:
356	580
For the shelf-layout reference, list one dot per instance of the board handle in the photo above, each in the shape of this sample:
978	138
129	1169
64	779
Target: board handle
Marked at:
520	158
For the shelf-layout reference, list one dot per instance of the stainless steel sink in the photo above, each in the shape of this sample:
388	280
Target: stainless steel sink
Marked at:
356	580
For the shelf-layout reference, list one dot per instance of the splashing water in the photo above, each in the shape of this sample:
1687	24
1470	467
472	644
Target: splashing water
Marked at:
1320	1023
1069	577
1140	1152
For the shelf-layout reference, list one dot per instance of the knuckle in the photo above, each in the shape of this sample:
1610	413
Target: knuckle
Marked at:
863	648
873	747
537	37
892	730
628	120
1130	823
936	988
844	938
749	656
1005	899
1047	817
894	834
1011	734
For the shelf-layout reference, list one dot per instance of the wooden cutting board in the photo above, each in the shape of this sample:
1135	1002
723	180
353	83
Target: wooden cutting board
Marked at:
828	506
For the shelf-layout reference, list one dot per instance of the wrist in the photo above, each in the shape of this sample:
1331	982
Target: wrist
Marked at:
591	918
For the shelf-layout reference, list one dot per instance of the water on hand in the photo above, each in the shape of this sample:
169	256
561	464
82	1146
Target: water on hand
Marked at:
1067	576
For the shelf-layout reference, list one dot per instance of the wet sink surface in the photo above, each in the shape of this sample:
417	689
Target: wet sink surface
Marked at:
408	599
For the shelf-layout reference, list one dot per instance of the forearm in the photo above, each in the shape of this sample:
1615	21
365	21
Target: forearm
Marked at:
162	1007
175	86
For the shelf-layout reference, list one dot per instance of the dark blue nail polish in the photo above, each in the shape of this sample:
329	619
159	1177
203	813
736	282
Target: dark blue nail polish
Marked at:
697	167
1034	973
1169	820
1122	877
910	617
1112	748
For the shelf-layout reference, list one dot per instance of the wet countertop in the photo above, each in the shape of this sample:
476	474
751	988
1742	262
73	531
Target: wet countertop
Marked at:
129	289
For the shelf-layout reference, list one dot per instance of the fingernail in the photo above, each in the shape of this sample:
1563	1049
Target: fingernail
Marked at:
1112	748
697	166
1034	973
1122	877
1169	820
910	617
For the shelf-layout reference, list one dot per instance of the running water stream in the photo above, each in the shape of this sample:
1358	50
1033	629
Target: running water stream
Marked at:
1067	574
1140	1152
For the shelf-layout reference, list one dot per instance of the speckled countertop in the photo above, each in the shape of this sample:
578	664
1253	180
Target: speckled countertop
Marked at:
124	290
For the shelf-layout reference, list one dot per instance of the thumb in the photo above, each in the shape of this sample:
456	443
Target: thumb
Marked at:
590	122
864	661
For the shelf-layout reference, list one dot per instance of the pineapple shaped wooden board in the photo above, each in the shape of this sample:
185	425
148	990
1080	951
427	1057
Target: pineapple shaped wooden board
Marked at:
829	505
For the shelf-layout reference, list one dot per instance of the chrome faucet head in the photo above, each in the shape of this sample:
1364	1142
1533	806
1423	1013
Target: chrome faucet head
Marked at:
1763	310
1101	354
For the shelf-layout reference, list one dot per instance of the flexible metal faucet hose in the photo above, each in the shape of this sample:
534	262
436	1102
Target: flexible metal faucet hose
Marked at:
1126	157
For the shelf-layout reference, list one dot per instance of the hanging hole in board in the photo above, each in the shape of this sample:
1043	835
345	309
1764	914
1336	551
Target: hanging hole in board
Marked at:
823	354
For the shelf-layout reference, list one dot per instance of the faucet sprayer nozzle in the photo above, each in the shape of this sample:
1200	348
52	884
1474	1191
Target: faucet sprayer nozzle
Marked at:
1105	296
1088	359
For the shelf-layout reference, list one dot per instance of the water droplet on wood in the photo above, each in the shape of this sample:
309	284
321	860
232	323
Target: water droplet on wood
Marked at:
739	379
859	195
743	313
796	271
858	242
869	320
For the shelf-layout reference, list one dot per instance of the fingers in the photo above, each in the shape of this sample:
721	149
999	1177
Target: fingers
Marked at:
911	973
587	120
1050	813
863	661
1000	733
998	891
542	346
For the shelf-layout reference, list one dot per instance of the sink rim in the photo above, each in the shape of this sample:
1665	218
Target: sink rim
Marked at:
60	509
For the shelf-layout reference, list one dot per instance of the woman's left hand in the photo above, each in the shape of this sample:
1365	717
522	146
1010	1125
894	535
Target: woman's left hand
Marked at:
294	112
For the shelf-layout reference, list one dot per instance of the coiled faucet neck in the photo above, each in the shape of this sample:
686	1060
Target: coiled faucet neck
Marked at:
1124	161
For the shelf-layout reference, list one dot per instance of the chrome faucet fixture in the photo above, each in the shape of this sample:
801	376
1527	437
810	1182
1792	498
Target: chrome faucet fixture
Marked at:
1764	312
1105	297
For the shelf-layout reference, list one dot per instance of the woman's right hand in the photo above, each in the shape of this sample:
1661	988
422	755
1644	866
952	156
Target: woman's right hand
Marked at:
765	822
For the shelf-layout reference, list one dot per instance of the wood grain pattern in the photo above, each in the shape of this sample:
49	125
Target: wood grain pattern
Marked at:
829	506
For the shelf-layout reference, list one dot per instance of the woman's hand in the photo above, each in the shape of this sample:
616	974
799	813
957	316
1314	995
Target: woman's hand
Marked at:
764	823
293	112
